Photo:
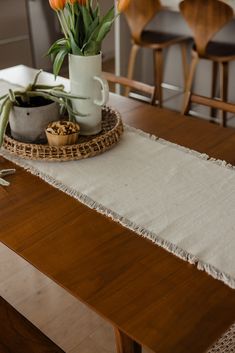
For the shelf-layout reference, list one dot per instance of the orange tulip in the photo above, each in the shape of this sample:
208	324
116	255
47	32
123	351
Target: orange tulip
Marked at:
123	5
57	4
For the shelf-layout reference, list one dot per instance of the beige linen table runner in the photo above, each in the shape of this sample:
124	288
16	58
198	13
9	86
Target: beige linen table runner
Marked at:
169	194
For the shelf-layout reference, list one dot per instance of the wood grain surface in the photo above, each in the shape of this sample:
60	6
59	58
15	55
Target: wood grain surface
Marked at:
155	298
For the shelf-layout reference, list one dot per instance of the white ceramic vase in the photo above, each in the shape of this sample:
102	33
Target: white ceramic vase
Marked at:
85	80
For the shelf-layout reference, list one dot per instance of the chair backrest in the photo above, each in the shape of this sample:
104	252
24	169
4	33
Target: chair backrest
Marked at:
205	18
139	13
212	103
134	85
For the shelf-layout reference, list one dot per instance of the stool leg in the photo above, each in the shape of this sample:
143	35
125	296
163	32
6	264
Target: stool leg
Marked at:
213	87
224	89
158	73
131	65
184	62
189	83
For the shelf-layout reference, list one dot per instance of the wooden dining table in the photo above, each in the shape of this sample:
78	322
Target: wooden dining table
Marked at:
151	297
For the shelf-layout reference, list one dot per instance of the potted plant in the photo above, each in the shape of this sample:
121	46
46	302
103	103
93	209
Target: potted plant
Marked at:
84	30
30	110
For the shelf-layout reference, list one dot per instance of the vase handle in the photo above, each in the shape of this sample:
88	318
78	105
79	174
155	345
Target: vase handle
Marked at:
104	91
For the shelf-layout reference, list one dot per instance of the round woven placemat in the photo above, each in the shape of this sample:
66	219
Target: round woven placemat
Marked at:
87	146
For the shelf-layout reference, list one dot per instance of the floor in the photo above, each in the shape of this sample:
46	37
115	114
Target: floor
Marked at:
65	320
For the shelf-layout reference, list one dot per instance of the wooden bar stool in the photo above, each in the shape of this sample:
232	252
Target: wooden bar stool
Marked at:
206	18
18	335
138	15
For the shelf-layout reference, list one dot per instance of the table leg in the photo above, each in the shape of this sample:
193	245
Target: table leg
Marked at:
125	344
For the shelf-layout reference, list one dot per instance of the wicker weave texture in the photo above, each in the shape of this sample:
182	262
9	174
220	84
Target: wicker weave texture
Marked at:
87	146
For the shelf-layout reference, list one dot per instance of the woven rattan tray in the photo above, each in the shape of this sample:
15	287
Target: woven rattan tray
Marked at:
87	146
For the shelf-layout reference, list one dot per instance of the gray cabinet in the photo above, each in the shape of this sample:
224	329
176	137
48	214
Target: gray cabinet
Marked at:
14	34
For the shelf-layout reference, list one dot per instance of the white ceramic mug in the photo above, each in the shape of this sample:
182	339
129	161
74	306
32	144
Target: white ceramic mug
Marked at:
85	80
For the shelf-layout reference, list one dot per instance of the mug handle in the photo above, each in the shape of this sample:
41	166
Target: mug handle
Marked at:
104	91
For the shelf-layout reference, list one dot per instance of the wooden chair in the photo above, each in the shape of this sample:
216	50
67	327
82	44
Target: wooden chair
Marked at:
143	88
20	336
138	14
210	102
206	18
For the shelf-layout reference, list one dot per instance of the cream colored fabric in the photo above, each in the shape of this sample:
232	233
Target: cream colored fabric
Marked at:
173	196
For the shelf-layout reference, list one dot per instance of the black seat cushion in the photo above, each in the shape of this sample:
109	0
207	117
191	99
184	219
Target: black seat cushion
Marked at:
219	49
155	37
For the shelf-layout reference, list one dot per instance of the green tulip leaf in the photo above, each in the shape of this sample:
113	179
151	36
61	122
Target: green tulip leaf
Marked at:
59	59
110	15
92	48
74	47
92	28
87	19
104	30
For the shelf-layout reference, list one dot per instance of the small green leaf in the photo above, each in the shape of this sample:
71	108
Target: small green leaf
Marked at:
110	15
66	95
36	78
59	59
108	18
92	48
104	30
96	12
59	87
3	104
87	19
92	28
4	119
76	9
57	45
74	47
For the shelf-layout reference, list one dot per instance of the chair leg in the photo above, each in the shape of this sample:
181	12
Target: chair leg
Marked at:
158	69
131	65
189	83
224	89
213	87
184	62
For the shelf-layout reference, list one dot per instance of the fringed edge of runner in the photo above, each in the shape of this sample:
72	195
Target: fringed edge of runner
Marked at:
219	162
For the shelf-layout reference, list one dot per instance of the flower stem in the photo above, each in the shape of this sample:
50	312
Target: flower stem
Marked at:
64	21
62	25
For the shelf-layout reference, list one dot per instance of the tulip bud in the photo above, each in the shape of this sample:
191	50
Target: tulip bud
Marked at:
123	5
57	4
